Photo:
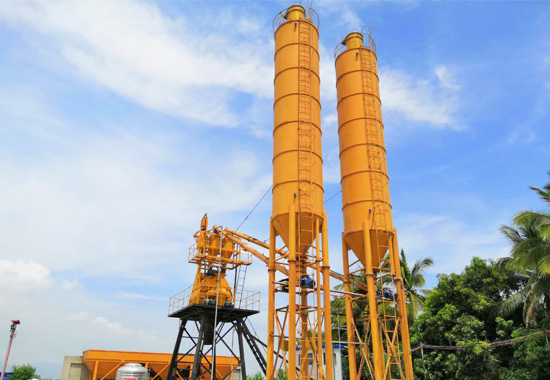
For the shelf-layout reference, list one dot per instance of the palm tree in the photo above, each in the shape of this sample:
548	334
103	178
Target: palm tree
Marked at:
530	258
414	282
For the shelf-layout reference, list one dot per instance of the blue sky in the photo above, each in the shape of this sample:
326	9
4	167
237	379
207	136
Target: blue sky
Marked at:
123	122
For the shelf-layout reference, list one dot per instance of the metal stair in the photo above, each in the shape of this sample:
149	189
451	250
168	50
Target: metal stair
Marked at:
253	341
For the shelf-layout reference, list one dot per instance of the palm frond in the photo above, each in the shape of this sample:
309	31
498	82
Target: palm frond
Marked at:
544	194
512	234
512	303
502	264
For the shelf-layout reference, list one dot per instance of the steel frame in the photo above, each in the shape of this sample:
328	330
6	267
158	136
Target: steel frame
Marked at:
204	342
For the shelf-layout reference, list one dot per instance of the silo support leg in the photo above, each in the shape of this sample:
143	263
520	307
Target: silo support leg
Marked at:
326	294
402	303
292	294
377	348
349	315
271	304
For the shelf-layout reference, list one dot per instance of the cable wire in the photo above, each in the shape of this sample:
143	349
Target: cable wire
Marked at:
332	197
254	208
483	344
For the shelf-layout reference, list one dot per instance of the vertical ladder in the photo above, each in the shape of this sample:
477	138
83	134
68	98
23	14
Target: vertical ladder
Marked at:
388	321
239	288
306	185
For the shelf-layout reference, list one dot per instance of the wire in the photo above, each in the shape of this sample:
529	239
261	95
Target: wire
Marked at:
332	197
494	344
254	208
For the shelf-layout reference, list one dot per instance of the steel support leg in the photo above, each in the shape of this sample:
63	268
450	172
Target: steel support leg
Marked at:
377	347
197	362
349	314
241	348
329	367
175	354
402	303
291	311
271	305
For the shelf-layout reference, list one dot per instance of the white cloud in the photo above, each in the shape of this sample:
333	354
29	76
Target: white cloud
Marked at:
20	276
522	135
350	19
448	240
163	63
79	316
114	327
421	100
446	77
107	203
137	296
68	321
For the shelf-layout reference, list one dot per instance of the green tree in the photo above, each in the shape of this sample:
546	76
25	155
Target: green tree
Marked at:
24	372
530	258
462	311
531	359
414	282
281	375
257	376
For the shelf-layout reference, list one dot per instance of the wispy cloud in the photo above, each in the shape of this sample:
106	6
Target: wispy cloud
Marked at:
421	100
137	296
20	276
113	327
448	240
163	63
91	198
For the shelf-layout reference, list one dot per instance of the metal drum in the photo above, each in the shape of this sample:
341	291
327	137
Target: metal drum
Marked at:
132	371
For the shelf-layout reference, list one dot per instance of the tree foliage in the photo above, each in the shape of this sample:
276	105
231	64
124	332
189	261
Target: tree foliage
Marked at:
414	282
24	372
462	310
530	257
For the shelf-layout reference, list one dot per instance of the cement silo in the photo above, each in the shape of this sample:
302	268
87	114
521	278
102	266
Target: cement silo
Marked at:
301	323
367	211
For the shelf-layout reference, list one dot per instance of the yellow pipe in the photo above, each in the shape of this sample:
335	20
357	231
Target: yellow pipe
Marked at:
271	302
262	257
254	252
327	303
377	347
291	375
401	299
349	313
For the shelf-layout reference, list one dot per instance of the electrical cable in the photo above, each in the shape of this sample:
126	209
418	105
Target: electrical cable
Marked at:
254	208
332	197
494	344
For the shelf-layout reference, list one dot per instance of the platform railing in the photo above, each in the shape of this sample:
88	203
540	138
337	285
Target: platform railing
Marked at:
248	300
238	257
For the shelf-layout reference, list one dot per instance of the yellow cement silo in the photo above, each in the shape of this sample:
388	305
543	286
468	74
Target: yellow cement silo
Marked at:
364	177
368	226
297	161
299	325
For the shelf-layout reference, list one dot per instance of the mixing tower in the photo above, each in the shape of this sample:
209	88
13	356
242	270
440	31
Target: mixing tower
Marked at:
212	309
300	321
384	345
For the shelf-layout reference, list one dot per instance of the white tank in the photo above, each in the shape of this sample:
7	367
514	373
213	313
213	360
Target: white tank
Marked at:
132	371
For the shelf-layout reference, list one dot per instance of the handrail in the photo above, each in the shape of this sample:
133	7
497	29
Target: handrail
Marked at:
311	15
370	45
